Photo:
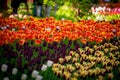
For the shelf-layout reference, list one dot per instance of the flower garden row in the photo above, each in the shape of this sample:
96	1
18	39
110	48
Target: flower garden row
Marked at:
79	50
50	30
100	62
75	62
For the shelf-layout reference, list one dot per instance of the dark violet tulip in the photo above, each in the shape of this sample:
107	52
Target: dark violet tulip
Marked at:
7	47
32	42
50	46
14	54
19	59
28	54
19	47
41	53
47	52
39	48
6	55
44	43
54	44
26	44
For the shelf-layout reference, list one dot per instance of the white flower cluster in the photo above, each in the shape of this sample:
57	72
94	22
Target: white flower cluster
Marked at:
18	16
34	74
49	64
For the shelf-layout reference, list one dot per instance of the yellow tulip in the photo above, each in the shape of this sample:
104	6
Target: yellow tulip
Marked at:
110	75
103	71
67	58
75	74
67	75
61	60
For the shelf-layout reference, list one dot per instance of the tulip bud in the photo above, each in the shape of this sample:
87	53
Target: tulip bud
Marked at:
4	67
24	77
110	75
49	63
14	71
35	73
44	67
5	78
39	77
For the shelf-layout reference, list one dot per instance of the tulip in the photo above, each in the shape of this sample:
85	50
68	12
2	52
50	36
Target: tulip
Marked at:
4	67
77	65
23	77
101	77
13	29
72	53
110	75
75	74
86	48
59	72
116	54
55	65
25	16
90	72
70	68
11	16
103	71
20	15
74	78
80	50
14	71
49	63
61	60
76	55
95	47
84	73
55	70
5	78
67	58
74	60
117	63
39	77
34	73
62	67
97	71
112	62
106	50
91	51
44	67
63	19
109	68
67	75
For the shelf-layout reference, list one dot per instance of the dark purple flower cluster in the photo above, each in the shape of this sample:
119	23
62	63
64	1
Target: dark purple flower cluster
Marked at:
29	56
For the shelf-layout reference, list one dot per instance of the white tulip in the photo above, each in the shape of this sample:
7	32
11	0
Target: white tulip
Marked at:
35	73
14	71
39	77
5	78
4	67
13	29
24	77
63	19
44	67
49	63
11	16
25	16
48	29
20	15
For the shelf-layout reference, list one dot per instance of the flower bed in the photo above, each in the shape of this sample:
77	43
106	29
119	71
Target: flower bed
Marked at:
30	46
99	62
51	30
